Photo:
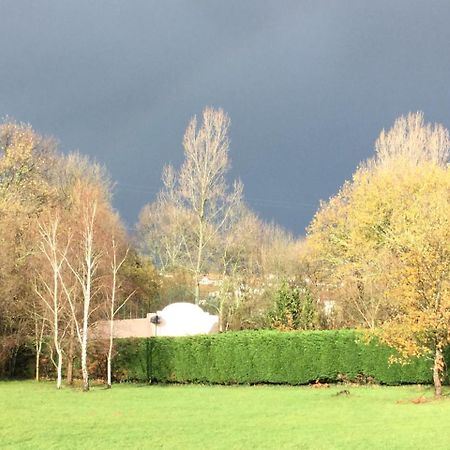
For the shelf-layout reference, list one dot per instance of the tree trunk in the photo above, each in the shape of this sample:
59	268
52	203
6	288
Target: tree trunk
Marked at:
84	344
38	348
84	369
109	383
197	291
69	376
57	346
220	316
13	360
111	337
38	358
59	369
86	311
56	328
437	372
199	258
38	334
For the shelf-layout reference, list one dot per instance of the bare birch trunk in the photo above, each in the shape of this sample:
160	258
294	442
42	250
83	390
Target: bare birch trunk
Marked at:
69	375
199	257
39	333
115	267
86	310
84	369
109	382
59	370
111	337
38	356
111	323
56	331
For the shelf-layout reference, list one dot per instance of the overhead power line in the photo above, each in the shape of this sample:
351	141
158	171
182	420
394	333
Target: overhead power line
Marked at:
254	201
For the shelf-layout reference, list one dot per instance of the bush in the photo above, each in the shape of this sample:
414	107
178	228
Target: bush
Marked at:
132	359
250	357
294	308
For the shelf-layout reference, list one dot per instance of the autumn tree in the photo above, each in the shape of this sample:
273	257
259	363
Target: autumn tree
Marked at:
351	268
417	236
56	228
80	268
26	189
389	230
95	224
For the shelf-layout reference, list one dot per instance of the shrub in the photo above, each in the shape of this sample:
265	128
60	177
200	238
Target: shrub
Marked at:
132	359
267	356
294	308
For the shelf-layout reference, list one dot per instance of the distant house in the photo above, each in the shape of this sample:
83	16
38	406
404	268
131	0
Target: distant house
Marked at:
211	279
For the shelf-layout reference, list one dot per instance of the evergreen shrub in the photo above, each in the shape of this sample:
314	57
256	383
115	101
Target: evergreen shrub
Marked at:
266	356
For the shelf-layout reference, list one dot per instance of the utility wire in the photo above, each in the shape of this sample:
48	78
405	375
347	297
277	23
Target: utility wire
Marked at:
255	201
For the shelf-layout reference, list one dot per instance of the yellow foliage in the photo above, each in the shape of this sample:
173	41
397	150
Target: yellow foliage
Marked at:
389	230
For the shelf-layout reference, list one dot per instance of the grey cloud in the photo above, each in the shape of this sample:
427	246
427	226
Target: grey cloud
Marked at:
308	85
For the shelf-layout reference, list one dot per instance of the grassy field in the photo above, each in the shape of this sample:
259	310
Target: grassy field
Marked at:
202	417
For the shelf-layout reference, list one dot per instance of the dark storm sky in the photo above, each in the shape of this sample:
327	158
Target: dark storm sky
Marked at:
308	85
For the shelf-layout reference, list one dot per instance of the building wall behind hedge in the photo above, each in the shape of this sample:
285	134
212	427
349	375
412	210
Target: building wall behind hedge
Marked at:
264	357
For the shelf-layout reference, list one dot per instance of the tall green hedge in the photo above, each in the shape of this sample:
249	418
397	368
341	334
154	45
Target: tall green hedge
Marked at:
264	357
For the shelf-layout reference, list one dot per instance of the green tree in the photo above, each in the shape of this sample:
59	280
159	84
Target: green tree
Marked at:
294	307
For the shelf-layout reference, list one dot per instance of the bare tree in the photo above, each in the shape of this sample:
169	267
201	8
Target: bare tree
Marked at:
111	298
40	325
163	232
85	273
70	352
413	141
198	194
50	293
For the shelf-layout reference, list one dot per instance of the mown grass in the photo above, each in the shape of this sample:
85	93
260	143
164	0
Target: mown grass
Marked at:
212	417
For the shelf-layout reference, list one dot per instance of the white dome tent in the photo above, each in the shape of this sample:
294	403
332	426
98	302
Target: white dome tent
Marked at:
184	319
176	319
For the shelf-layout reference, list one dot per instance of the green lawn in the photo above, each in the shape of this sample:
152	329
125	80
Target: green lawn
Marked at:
201	417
